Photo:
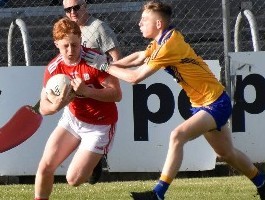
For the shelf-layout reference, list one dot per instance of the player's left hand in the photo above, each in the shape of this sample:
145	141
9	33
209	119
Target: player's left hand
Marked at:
97	60
66	96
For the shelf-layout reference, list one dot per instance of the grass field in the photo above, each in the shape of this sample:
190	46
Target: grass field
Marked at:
217	188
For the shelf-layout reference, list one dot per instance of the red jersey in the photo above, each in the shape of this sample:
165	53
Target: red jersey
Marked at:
85	109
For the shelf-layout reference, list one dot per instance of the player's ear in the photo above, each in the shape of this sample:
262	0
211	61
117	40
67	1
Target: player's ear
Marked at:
158	24
56	44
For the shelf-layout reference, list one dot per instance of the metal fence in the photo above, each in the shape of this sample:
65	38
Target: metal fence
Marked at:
201	22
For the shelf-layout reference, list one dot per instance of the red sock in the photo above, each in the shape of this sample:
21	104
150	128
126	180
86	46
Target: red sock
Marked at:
40	199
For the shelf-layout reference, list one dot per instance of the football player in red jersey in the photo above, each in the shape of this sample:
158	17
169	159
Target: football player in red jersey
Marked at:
89	116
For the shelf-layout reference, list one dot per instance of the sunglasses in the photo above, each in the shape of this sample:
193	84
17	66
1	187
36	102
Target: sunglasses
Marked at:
74	8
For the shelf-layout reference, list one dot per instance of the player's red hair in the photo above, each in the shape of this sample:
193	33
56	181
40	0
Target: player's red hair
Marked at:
63	27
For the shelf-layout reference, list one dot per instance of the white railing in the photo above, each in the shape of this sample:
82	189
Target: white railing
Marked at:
253	28
26	41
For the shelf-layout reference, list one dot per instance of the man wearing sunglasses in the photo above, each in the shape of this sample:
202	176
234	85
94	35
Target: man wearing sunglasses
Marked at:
97	35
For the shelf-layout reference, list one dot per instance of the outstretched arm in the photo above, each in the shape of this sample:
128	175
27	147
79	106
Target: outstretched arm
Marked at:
132	76
120	69
132	60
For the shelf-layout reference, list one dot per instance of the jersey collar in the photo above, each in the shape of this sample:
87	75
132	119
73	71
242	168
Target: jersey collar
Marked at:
162	38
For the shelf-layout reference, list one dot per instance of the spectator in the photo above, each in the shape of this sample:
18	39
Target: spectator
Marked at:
96	34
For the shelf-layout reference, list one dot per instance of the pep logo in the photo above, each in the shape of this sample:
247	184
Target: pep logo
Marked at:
142	114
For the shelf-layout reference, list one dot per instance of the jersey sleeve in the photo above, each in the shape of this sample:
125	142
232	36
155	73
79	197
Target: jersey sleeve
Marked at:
158	58
170	52
157	55
51	68
46	77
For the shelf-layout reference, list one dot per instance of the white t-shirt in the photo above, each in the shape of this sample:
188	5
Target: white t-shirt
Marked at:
98	35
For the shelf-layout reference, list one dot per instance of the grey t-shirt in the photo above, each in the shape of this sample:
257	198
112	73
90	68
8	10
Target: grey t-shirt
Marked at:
98	35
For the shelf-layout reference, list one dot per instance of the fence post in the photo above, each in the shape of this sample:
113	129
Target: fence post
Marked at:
227	42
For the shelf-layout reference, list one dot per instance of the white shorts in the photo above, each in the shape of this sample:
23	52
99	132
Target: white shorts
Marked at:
95	138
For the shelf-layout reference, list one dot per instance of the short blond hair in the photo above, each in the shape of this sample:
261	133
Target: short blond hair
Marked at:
164	10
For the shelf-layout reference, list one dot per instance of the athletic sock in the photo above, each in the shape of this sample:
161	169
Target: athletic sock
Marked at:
162	186
40	199
259	179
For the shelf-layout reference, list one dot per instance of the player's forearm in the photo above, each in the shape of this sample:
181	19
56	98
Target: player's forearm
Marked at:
128	75
47	108
134	59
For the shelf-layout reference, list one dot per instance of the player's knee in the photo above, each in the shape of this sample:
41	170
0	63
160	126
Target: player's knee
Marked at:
225	156
73	183
74	180
45	170
177	137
